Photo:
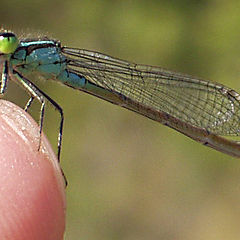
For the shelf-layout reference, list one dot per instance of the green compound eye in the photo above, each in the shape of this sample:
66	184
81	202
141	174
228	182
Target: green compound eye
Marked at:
8	42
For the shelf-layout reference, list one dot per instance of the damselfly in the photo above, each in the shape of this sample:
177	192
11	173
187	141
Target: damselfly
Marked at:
200	109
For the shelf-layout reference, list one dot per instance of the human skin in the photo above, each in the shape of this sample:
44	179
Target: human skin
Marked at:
32	189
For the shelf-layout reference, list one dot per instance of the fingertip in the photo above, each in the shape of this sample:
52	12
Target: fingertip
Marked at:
32	203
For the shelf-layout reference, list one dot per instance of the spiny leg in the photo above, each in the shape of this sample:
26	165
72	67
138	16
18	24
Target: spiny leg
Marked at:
41	96
41	118
42	111
4	77
28	104
41	99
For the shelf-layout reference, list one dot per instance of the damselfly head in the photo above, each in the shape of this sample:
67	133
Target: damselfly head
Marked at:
8	42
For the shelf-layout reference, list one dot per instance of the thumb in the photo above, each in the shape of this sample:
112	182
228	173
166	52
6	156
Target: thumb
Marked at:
32	196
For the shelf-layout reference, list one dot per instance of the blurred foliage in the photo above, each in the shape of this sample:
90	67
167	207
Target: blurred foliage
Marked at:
129	177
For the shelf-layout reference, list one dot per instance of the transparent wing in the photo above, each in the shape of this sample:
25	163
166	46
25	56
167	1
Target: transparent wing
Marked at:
201	103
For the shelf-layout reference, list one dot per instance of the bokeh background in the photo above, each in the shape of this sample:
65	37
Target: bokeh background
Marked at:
129	177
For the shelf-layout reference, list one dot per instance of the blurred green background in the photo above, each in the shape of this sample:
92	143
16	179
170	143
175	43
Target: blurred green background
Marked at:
129	177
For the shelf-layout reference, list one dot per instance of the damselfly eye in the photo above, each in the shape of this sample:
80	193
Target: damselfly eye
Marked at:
8	42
